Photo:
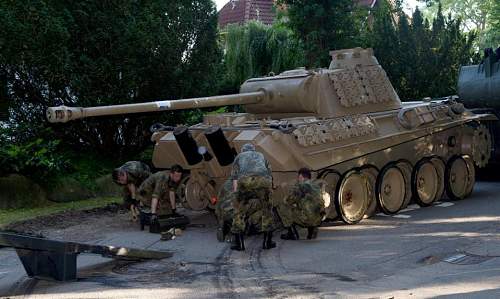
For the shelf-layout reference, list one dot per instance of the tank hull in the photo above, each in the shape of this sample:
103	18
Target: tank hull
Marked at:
367	144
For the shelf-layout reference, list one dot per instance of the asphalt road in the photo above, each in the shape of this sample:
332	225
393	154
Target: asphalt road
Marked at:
450	250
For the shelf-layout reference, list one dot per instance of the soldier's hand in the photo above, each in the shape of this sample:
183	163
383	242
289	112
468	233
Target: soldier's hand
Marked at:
135	218
134	212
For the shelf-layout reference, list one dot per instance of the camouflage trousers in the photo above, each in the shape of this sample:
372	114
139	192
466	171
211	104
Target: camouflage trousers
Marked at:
224	212
295	215
163	207
253	196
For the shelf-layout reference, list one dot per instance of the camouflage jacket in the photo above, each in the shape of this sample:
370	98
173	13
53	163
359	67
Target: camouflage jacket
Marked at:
306	196
250	163
157	185
136	171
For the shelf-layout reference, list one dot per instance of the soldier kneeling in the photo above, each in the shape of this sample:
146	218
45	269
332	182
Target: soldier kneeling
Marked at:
304	206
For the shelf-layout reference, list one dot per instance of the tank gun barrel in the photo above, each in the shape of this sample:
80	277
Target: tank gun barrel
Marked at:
64	114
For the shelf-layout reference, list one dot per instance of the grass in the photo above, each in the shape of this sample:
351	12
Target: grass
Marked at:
10	216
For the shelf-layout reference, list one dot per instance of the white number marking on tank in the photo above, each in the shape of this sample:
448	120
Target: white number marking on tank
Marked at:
163	104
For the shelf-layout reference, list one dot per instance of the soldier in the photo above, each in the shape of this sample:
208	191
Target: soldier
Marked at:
131	175
158	192
252	182
224	212
304	206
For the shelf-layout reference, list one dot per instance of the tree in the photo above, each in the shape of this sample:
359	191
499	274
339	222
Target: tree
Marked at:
421	60
86	53
255	49
323	25
475	15
492	33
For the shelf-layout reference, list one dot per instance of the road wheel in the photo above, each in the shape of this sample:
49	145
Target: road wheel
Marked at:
194	194
425	183
390	189
440	168
457	178
406	168
331	179
370	173
472	176
352	197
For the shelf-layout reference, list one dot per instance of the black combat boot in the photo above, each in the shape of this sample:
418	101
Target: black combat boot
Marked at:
268	241
312	232
238	242
220	234
292	234
223	231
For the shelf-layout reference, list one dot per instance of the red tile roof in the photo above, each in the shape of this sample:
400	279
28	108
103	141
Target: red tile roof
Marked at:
242	11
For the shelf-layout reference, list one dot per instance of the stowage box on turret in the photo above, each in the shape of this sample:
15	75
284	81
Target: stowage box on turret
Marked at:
346	123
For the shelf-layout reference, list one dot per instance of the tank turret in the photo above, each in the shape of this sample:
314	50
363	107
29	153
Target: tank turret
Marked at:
346	123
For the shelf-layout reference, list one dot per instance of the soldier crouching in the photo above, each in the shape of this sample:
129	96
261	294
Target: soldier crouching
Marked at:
304	206
252	182
131	175
224	211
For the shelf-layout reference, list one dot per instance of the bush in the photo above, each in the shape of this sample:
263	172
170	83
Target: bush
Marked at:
37	157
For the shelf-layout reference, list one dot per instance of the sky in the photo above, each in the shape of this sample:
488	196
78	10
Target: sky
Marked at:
409	4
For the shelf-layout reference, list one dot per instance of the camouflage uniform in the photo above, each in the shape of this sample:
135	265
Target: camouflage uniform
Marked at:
224	210
158	185
137	172
304	205
253	173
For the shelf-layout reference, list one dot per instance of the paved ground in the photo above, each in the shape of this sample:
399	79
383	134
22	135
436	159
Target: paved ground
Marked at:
450	250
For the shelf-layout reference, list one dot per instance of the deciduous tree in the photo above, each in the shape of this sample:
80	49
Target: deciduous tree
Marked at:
475	15
255	49
105	52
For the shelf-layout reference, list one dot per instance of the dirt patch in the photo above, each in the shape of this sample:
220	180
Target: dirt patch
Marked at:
77	225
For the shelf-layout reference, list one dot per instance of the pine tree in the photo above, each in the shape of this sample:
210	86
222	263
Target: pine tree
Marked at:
421	60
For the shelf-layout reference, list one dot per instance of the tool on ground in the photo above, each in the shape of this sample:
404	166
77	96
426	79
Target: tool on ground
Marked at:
163	222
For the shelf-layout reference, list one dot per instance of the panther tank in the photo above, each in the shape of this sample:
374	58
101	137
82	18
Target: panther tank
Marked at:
346	123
